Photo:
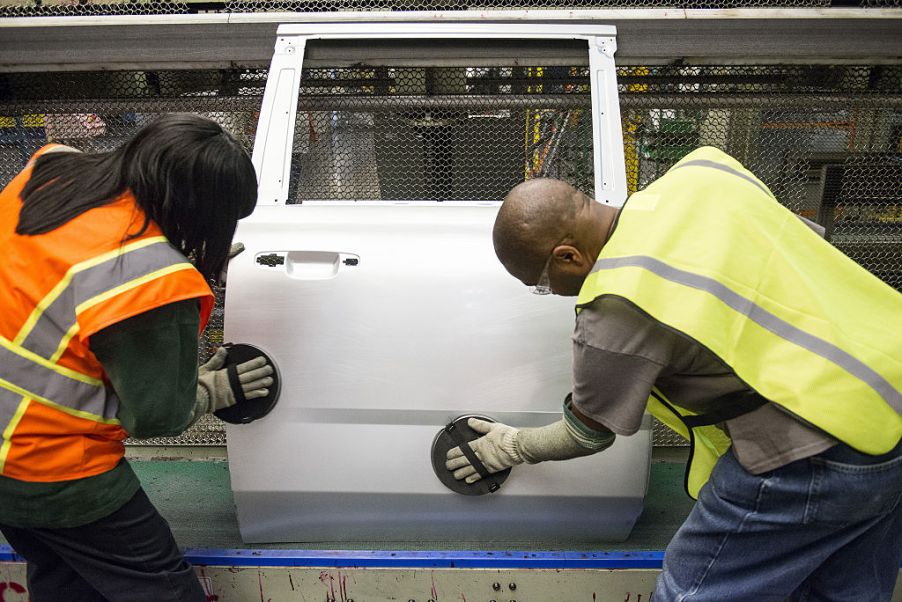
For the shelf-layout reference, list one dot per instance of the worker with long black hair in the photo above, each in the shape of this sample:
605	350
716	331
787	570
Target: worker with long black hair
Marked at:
104	282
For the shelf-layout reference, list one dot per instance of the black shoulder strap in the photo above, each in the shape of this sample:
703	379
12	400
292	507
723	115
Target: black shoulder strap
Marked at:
727	407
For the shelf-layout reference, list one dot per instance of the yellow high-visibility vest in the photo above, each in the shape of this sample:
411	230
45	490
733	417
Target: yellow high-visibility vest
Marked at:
708	251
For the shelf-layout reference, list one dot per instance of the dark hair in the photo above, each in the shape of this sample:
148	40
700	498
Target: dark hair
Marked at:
188	175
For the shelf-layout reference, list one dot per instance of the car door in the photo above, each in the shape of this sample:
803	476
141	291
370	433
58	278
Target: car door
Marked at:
370	279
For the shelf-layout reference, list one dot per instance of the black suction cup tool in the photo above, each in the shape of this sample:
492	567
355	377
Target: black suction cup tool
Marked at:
248	410
459	434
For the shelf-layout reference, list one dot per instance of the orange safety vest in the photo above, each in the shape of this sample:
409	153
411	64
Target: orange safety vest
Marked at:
57	408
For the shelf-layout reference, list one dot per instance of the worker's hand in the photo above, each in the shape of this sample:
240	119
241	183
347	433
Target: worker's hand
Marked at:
253	378
497	450
236	249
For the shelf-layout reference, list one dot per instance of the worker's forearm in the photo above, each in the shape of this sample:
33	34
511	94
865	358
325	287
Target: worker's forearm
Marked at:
151	362
552	442
565	439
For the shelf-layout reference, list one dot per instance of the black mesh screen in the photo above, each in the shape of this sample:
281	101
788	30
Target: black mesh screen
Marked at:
50	8
826	139
439	134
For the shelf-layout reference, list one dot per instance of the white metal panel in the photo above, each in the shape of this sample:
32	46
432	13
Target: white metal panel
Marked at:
422	30
377	357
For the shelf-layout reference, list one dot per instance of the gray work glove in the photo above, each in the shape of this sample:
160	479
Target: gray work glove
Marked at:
236	249
497	450
214	392
505	446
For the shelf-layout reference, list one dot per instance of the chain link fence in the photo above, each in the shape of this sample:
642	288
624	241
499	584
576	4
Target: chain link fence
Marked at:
827	140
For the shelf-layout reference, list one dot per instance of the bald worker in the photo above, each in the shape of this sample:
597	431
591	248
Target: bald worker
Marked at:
707	303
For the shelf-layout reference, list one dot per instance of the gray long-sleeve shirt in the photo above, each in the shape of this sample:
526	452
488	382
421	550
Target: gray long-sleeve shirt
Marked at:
620	353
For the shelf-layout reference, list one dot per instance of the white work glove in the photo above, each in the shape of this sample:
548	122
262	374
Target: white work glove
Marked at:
214	392
497	450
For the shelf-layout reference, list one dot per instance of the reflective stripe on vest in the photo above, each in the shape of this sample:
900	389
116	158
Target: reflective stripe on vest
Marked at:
765	319
32	356
707	251
726	169
30	375
28	368
12	407
44	382
90	282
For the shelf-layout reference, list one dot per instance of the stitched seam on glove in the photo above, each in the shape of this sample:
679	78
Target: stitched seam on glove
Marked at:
511	446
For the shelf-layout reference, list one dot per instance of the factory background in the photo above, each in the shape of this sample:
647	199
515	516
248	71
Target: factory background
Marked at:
822	127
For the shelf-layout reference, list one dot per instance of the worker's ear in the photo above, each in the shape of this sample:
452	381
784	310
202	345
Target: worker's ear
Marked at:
571	266
569	258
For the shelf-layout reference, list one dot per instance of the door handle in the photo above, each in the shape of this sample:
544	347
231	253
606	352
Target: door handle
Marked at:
307	265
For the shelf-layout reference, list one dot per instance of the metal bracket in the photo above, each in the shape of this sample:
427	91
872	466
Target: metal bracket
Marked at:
610	165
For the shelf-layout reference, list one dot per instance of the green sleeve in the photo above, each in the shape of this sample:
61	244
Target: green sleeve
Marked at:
151	361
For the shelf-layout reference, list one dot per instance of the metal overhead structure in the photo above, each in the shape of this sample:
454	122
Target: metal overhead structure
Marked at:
645	36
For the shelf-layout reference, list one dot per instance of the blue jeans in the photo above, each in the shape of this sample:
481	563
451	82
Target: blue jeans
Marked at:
827	527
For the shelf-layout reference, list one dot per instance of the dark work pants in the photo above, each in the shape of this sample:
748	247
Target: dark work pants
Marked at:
129	555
